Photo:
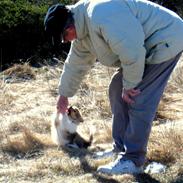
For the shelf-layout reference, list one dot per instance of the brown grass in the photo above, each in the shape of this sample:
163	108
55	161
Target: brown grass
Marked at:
171	104
166	144
6	96
21	71
22	144
30	156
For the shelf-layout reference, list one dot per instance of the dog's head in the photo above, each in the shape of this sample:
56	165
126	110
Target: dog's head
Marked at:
74	115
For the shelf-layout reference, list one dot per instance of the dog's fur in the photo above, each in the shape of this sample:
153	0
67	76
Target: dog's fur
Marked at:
63	129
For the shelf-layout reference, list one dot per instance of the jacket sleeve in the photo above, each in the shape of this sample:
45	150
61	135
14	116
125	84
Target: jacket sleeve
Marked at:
78	62
125	37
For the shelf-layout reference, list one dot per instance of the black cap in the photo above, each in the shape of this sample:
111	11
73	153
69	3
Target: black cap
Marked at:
55	22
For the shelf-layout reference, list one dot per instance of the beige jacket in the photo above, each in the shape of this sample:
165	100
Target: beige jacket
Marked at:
120	33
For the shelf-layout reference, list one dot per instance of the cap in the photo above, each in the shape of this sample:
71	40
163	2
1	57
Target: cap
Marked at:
55	21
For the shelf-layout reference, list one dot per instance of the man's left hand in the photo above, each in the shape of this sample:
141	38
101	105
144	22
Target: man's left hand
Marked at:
128	94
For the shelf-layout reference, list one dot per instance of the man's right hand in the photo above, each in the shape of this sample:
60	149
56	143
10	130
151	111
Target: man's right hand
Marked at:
62	104
128	94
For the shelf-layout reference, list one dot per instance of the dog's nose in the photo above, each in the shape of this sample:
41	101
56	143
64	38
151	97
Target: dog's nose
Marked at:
81	120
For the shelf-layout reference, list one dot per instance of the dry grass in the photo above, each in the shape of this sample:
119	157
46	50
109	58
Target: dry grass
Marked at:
171	104
27	153
166	143
25	144
20	71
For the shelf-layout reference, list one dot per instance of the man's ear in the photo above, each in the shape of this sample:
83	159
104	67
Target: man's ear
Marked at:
70	29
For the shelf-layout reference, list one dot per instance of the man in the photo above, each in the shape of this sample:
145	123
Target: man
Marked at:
142	39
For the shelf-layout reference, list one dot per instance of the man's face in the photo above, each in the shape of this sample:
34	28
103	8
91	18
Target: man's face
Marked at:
69	34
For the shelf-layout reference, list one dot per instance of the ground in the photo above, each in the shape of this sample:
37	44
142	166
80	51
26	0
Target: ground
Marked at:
27	154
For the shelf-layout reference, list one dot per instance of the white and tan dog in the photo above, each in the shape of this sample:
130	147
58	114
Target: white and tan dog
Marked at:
63	129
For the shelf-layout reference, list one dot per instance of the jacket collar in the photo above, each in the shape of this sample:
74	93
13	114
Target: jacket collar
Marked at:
79	18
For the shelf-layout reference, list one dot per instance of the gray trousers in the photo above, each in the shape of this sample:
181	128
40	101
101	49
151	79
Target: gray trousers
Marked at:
132	123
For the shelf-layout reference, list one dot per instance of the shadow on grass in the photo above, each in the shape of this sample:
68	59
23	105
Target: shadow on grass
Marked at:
178	180
102	178
26	145
85	166
24	155
145	178
81	154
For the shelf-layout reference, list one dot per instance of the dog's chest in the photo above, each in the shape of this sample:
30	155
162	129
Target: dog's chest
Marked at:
67	125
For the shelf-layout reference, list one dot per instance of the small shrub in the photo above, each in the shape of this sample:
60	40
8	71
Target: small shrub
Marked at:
165	145
22	33
20	71
25	145
176	5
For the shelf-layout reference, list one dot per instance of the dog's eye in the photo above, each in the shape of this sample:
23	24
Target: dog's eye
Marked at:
75	111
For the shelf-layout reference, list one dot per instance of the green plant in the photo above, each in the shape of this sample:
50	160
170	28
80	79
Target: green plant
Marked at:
22	34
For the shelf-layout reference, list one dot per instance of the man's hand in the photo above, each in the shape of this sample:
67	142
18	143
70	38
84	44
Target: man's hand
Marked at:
127	94
62	104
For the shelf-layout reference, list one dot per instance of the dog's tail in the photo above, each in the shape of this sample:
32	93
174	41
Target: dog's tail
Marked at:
82	142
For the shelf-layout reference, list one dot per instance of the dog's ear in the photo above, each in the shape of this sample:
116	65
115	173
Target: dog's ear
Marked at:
74	113
69	110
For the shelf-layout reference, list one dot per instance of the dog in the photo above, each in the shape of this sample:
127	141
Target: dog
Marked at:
63	129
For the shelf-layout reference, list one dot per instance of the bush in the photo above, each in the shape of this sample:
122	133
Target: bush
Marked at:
22	31
22	34
175	5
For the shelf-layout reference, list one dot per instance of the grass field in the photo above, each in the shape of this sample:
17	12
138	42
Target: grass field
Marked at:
28	99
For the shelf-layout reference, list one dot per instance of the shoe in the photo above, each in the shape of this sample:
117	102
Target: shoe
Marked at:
105	154
120	166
